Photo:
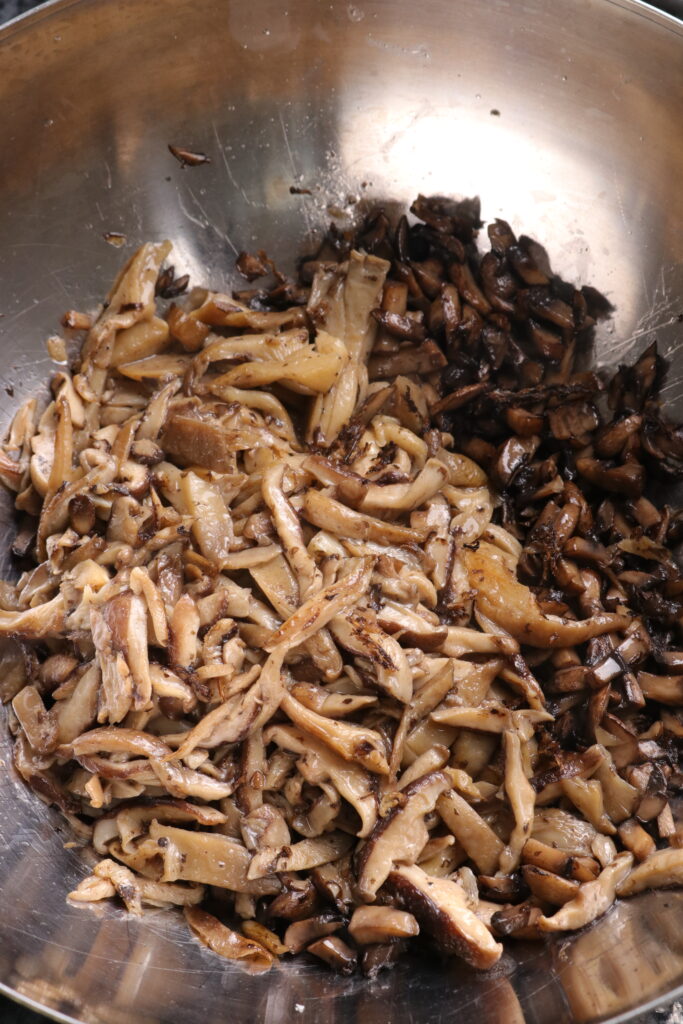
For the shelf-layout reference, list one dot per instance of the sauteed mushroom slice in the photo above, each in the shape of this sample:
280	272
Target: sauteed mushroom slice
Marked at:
592	900
227	943
513	606
400	836
662	868
381	924
441	908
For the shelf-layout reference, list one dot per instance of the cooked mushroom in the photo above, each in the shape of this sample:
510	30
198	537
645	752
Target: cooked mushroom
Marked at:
381	924
300	934
513	606
226	942
335	952
660	869
440	907
347	590
400	836
592	899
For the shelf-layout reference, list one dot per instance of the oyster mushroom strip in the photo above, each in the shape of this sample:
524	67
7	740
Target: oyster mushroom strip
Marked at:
359	633
492	717
660	869
352	742
279	584
119	632
513	606
109	879
131	822
340	303
241	714
318	763
302	856
130	301
178	781
209	858
522	799
289	531
328	514
400	836
592	900
477	838
324	606
228	943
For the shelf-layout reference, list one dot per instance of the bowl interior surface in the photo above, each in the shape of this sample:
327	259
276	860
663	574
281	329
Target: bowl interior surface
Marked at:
564	118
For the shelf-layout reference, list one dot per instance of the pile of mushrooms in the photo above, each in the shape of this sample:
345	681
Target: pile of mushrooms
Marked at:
344	619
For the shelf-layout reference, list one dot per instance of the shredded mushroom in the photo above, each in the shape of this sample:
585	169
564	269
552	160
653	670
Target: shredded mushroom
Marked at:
281	639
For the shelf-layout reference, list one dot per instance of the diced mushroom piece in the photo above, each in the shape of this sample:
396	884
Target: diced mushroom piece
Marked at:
440	906
636	839
227	943
335	952
548	886
476	837
383	955
400	836
663	868
197	442
301	933
592	900
381	924
518	922
39	724
513	606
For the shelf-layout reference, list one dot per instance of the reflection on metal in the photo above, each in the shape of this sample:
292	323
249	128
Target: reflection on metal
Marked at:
376	99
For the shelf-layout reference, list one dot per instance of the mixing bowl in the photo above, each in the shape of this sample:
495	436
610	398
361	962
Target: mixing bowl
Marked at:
564	117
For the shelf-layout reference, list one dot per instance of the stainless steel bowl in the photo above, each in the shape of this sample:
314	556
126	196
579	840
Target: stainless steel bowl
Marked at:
564	117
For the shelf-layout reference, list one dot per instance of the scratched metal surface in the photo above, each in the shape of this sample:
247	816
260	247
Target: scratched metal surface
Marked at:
357	101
